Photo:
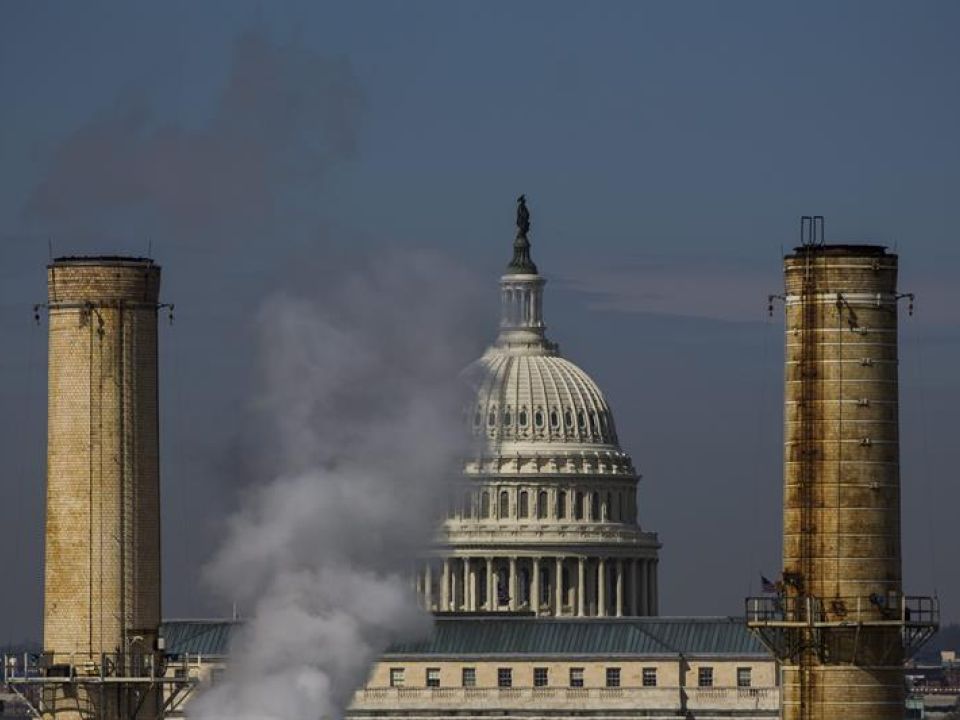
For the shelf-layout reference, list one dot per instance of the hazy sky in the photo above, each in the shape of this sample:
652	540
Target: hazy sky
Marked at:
667	150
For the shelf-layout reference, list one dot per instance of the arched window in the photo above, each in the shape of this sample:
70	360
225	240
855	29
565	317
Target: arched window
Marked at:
568	418
504	504
578	506
492	418
524	504
595	506
610	514
484	504
477	419
554	419
522	418
538	418
562	505
593	421
542	505
507	417
581	420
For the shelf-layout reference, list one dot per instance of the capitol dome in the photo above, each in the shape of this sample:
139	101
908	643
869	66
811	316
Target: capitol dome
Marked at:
547	522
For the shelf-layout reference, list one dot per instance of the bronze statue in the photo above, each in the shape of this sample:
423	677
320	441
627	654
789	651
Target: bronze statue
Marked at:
523	217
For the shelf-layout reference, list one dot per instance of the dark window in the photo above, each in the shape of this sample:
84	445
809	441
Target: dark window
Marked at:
542	504
485	504
540	676
576	677
492	418
595	507
581	420
554	419
705	677
649	677
578	506
504	504
568	418
507	418
468	677
524	504
610	514
523	418
561	505
743	677
467	505
504	677
613	677
538	418
433	677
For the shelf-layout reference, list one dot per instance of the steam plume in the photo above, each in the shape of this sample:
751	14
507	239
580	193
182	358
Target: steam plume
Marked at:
367	426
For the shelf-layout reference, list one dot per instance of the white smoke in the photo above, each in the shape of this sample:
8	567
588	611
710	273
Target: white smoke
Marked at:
365	431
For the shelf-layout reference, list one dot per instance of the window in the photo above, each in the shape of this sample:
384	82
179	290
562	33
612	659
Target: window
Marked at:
433	677
649	677
568	418
542	505
507	418
485	504
524	504
743	677
538	418
523	418
613	677
578	506
576	677
705	677
477	419
554	419
504	677
467	505
595	507
561	505
610	513
504	504
468	677
396	677
540	677
581	420
492	418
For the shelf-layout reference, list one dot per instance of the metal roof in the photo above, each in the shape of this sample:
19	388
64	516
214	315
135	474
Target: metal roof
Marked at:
197	637
499	636
585	636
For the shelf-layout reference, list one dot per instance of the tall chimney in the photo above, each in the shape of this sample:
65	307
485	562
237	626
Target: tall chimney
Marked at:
102	572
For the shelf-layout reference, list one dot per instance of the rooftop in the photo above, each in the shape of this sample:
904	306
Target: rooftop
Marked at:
512	636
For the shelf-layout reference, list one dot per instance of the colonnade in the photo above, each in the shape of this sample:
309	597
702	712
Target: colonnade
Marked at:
552	585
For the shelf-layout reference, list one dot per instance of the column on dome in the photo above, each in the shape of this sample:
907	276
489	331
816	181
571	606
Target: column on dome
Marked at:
491	586
445	586
656	599
619	608
581	586
558	588
601	587
535	587
513	584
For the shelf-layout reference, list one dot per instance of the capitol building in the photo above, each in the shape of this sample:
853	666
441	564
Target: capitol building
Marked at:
542	583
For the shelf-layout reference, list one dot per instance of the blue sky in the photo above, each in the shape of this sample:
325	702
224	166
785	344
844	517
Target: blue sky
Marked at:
668	150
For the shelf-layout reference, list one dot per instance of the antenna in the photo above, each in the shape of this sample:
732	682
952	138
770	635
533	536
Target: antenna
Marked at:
811	230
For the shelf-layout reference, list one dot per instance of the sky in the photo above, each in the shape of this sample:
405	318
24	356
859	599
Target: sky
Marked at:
667	151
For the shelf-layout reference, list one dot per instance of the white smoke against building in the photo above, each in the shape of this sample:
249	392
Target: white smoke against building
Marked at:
365	431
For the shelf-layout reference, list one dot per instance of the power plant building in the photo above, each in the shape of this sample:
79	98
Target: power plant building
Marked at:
542	582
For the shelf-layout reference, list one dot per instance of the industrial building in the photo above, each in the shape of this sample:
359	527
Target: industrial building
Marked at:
543	584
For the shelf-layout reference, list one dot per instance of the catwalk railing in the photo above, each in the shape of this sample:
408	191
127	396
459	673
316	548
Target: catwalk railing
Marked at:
28	674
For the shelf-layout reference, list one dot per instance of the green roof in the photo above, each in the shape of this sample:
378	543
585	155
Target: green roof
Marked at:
585	636
499	636
197	637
